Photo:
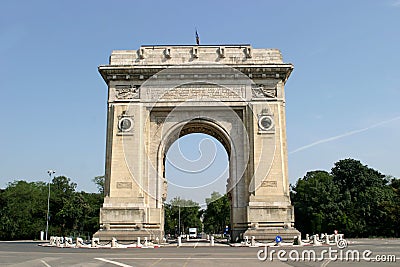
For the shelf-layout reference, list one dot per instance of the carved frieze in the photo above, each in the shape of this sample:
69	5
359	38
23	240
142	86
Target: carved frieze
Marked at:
126	92
265	90
196	91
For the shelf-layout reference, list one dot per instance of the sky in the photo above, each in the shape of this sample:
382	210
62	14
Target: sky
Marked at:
341	99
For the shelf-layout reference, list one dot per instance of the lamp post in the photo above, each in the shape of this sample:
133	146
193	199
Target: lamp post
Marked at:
50	172
179	219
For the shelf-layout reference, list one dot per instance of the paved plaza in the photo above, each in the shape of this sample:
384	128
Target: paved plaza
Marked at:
31	254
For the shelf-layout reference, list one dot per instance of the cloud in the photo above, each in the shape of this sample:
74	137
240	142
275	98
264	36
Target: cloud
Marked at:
336	137
396	3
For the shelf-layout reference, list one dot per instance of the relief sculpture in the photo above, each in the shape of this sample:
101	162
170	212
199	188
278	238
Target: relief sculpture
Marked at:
126	92
264	91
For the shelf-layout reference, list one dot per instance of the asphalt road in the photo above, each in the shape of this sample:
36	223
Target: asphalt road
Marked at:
30	254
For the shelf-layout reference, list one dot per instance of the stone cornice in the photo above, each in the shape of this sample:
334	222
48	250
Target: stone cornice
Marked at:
148	60
134	72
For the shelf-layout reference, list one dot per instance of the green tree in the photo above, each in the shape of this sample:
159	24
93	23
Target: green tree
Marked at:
315	199
189	215
364	192
353	198
217	213
99	181
23	210
73	213
395	211
90	220
62	197
392	209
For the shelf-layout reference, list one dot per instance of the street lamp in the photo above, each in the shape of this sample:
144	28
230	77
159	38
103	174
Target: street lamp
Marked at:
50	172
179	219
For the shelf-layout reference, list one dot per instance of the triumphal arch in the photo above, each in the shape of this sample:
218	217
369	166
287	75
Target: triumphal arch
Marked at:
157	94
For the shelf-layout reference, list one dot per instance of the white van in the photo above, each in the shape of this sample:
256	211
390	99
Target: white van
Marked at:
192	232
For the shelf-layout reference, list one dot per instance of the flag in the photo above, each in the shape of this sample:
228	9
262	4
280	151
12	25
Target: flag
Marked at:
197	38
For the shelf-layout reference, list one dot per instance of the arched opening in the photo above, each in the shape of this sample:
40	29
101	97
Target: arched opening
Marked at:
197	168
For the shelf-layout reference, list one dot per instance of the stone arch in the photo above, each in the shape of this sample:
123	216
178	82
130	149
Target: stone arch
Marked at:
238	98
198	125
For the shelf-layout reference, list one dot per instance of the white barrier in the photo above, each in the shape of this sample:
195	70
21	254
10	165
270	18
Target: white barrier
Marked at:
315	240
253	241
114	242
297	241
95	242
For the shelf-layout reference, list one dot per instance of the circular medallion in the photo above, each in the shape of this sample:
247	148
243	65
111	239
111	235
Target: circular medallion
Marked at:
125	124
265	123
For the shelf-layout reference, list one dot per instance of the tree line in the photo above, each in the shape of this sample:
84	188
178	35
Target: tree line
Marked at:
181	214
352	198
23	209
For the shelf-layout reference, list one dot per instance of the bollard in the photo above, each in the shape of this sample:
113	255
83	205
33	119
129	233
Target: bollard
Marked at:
208	237
79	242
253	241
300	241
179	241
187	237
145	241
114	242
315	240
95	240
336	236
327	239
246	240
157	240
297	240
66	241
52	241
138	241
212	241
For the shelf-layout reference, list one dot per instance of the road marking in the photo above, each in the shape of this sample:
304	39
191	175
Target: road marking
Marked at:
113	262
45	263
186	263
156	262
325	263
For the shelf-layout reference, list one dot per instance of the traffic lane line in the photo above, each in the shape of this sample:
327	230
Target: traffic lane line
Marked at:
113	262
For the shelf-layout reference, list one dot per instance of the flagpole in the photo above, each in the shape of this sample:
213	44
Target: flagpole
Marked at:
197	37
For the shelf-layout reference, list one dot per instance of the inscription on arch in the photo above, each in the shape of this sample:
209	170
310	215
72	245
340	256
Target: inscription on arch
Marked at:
197	91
